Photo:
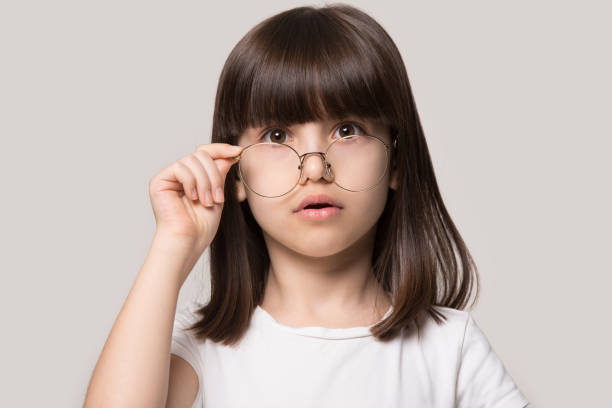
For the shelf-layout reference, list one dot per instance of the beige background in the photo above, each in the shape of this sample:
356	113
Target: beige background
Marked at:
96	97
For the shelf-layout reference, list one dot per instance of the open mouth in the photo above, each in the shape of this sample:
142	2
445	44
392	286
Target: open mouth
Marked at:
317	206
320	211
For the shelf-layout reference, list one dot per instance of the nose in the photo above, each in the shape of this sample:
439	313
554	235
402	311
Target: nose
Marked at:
314	167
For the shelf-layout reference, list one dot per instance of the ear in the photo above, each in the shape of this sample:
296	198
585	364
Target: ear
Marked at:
393	180
394	177
240	191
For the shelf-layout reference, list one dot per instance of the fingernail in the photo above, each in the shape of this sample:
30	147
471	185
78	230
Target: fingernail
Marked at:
194	194
208	198
219	195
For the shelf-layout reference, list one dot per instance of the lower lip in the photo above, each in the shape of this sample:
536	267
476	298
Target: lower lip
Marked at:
318	213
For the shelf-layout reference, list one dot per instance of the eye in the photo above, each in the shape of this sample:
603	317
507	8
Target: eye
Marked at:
350	129
276	135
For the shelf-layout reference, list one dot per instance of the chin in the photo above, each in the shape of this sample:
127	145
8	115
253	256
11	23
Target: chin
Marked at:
312	243
319	250
320	244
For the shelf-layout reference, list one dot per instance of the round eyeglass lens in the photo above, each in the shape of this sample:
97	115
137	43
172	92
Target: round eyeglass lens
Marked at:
358	162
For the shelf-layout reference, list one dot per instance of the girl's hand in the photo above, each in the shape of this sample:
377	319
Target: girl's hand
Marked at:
183	194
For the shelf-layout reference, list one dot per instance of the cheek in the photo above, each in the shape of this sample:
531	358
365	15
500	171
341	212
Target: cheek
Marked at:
372	204
270	214
265	216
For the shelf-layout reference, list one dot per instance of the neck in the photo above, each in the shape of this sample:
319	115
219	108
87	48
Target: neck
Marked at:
335	290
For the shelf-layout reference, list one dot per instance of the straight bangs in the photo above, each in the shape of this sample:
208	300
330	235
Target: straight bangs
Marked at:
303	66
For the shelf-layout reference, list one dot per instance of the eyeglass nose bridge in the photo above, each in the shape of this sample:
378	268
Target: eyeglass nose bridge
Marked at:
323	155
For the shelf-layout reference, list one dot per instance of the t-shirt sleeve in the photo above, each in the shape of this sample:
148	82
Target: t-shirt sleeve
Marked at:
185	346
483	381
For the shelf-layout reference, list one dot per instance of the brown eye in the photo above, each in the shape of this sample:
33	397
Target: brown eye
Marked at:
276	135
350	129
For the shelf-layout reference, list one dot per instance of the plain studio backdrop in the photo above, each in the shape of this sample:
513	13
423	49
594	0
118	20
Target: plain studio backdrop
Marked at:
96	98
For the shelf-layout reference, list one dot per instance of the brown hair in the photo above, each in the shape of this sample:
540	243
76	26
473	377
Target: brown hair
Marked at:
312	63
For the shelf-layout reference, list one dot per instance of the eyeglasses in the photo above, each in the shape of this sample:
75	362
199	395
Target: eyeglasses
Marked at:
354	163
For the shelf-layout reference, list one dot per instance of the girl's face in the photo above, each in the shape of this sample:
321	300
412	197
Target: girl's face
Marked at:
317	238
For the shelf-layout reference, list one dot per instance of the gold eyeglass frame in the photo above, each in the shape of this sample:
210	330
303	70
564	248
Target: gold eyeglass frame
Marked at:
323	155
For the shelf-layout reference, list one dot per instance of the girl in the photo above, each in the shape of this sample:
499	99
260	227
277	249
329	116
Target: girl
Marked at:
337	275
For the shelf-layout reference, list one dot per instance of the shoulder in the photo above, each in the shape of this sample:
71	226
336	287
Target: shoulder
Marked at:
186	314
454	322
445	338
459	351
186	346
185	317
453	316
183	343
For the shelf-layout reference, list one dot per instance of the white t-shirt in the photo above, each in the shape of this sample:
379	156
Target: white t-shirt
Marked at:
452	365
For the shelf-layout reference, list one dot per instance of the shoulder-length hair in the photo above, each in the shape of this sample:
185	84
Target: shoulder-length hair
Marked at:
312	63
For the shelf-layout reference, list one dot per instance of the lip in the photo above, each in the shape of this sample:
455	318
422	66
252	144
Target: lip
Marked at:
318	213
318	199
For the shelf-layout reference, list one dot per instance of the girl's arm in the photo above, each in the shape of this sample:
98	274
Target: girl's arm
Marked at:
134	367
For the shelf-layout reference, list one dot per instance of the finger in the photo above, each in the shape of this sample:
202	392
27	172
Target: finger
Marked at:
217	180
220	150
201	177
184	176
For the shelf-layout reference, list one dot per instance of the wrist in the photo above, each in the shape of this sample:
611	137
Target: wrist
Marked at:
176	250
173	242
